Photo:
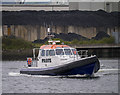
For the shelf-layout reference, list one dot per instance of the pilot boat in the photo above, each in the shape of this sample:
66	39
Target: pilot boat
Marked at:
61	60
54	59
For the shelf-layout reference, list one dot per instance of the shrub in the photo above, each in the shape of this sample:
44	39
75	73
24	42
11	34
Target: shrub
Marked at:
15	43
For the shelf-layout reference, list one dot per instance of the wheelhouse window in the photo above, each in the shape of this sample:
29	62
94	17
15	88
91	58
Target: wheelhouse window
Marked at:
47	52
51	52
59	52
43	53
74	51
68	52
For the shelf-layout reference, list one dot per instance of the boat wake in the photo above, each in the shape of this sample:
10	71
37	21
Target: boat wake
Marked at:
103	70
26	75
13	74
69	76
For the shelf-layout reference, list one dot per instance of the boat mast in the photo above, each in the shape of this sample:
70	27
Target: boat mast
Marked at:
49	35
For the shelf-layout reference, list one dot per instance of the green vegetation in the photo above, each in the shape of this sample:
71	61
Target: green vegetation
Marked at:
110	40
16	43
12	43
19	49
36	45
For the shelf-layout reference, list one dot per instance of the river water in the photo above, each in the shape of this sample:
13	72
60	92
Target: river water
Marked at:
105	81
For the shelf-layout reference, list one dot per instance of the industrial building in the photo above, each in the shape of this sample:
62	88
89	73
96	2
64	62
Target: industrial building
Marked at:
59	5
64	5
94	6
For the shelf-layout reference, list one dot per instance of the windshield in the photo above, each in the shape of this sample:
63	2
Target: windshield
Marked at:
74	51
47	52
68	52
59	52
52	53
43	53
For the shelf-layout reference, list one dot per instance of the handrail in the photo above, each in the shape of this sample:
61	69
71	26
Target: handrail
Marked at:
83	53
34	52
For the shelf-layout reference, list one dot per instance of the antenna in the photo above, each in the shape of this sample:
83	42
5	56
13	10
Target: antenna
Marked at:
49	36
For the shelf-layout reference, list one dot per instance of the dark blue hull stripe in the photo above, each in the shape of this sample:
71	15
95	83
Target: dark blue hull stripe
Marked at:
86	66
87	69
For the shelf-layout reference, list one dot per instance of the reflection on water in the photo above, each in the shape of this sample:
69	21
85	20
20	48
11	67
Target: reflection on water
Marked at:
104	81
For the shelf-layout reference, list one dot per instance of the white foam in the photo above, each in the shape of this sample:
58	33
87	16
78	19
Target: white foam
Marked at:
102	70
44	76
17	74
26	75
13	74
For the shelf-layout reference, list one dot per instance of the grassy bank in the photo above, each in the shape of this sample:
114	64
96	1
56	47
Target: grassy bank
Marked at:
19	49
15	44
110	40
9	43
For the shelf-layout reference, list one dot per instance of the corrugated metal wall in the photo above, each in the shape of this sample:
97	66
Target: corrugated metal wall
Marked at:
93	6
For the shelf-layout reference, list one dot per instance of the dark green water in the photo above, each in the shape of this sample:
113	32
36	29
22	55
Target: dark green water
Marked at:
104	53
